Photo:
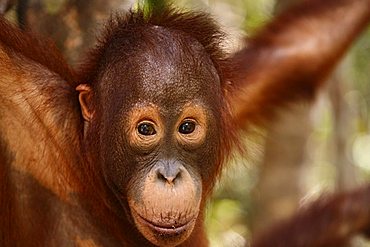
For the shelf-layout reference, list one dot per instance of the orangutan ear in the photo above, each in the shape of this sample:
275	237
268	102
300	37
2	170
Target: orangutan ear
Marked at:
85	98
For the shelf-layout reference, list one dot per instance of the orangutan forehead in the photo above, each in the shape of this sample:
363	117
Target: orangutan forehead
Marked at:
181	67
174	71
163	67
161	50
176	76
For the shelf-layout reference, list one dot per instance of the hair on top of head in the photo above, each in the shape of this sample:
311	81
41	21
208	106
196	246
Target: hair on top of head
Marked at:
197	25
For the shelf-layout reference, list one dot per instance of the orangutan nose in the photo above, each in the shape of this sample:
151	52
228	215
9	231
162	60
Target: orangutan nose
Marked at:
169	172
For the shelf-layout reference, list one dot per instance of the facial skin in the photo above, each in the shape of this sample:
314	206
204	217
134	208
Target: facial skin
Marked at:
159	134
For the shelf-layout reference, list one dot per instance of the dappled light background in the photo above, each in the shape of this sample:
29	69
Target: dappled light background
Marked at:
309	151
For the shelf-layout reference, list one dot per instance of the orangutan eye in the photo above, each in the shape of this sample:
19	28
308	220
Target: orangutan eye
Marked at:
146	129
187	127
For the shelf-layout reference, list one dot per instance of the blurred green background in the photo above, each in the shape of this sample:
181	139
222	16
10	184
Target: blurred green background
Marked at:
311	150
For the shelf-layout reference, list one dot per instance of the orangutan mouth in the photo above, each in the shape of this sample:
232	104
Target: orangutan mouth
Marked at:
167	229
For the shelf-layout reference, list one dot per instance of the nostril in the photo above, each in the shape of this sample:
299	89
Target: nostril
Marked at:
161	177
168	175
